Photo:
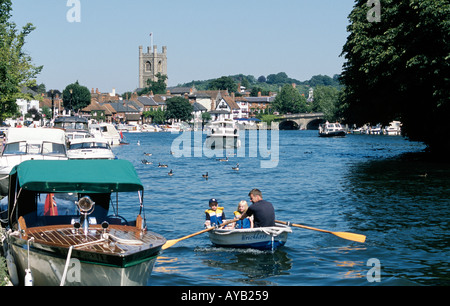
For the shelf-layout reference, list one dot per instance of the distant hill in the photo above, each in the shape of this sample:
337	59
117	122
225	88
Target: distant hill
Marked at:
272	82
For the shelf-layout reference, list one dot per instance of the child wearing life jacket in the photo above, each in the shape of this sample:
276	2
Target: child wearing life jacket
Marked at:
215	215
241	209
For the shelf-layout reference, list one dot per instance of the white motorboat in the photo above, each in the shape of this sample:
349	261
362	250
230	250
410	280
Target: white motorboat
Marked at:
331	130
75	127
375	130
394	129
106	131
222	134
129	128
30	143
262	238
150	128
90	148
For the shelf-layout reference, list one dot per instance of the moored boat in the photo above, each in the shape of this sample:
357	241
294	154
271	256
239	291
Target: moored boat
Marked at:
75	127
106	131
262	238
394	128
29	143
90	148
86	243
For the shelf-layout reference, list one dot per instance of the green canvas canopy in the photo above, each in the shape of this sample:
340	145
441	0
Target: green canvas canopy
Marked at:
84	176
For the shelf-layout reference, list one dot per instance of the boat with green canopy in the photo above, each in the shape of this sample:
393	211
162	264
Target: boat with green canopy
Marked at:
64	226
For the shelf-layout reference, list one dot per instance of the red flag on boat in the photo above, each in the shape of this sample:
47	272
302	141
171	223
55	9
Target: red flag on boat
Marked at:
121	135
50	208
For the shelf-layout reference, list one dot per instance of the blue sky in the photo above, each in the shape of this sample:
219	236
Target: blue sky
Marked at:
204	38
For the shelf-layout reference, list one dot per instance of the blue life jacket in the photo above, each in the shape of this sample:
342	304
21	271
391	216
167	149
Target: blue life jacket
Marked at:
242	223
215	217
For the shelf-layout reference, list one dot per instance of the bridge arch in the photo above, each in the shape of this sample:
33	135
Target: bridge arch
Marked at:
288	125
314	124
309	121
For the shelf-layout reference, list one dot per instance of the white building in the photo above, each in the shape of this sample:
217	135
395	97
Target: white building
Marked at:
25	106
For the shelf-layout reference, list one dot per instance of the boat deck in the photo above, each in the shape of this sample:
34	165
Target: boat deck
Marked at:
122	240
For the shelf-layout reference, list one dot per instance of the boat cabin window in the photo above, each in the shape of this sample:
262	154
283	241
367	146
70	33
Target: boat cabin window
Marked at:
48	148
15	148
72	125
89	145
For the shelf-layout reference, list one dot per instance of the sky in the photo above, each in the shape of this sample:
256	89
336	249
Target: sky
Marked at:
98	45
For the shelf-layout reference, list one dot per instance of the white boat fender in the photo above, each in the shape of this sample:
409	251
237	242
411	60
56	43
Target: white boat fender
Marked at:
28	278
12	269
28	275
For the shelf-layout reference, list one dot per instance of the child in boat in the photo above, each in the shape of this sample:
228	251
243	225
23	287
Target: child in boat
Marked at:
241	209
215	215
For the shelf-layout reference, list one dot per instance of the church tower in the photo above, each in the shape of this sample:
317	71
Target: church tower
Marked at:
150	64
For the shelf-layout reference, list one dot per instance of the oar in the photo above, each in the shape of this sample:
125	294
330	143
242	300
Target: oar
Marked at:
344	235
170	243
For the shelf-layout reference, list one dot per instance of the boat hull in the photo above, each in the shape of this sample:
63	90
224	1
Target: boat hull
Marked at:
333	134
265	238
222	142
47	270
102	263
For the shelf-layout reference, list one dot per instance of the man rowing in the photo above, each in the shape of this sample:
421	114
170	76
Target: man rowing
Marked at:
262	211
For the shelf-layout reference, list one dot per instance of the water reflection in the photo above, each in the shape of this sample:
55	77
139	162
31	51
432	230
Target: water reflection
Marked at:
255	266
403	204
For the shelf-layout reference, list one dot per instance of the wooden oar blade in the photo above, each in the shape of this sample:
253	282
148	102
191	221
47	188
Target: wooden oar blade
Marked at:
169	243
343	235
350	236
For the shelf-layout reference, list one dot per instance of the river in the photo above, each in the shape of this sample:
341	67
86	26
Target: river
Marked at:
378	186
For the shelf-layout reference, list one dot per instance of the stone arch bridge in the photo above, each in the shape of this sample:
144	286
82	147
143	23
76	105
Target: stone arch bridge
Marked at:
305	121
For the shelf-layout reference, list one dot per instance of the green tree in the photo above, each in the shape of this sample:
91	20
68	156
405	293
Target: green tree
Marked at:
157	87
326	99
46	112
223	83
399	68
279	78
289	100
256	90
15	65
158	116
76	96
33	114
179	108
206	117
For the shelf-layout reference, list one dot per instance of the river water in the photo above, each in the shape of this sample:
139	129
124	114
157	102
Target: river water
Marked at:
378	186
